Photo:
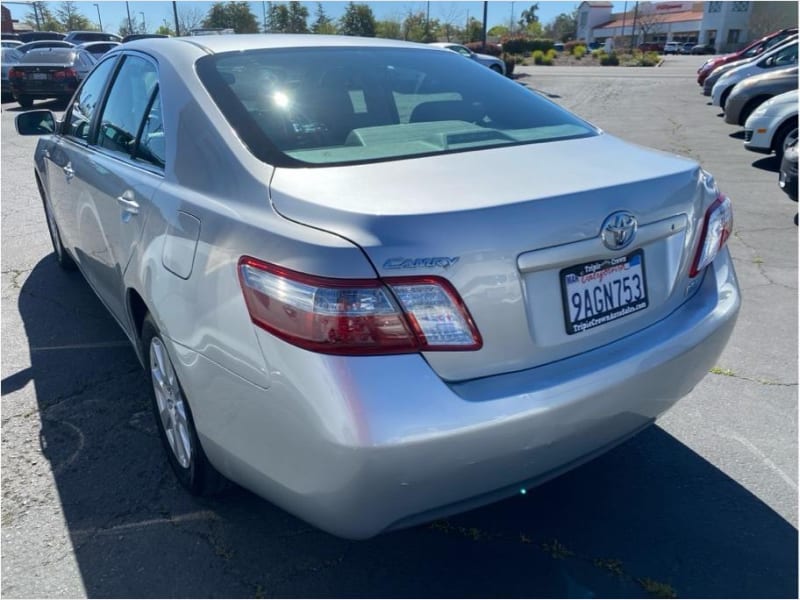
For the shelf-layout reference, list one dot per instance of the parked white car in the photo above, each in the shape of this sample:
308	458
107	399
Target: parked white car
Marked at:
772	127
494	63
784	56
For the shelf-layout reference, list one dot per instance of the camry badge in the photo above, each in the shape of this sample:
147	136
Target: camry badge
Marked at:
618	230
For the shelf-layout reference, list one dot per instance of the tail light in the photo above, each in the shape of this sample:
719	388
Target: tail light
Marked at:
67	73
15	74
346	316
717	228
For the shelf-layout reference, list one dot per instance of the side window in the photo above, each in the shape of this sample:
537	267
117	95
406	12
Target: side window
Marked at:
79	115
127	103
151	144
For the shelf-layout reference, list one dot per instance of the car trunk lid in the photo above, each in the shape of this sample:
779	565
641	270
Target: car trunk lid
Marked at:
513	229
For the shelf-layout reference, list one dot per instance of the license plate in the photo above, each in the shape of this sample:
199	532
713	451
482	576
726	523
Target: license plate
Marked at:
40	76
603	291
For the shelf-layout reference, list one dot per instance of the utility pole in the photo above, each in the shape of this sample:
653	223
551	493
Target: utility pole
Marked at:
624	15
428	21
144	25
130	23
99	20
485	13
635	17
175	13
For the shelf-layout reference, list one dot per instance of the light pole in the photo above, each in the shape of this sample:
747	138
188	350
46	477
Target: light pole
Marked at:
144	25
99	20
175	13
130	23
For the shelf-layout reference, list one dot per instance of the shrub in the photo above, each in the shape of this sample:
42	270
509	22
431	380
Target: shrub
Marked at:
547	60
579	52
599	53
538	57
610	60
570	46
492	49
523	45
551	55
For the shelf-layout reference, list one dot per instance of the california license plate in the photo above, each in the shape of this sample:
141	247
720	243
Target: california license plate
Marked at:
40	76
603	291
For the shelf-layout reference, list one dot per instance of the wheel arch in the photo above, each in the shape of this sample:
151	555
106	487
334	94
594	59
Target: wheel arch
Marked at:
137	311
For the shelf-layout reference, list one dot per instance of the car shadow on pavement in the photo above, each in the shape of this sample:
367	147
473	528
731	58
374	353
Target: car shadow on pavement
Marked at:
768	163
651	517
737	135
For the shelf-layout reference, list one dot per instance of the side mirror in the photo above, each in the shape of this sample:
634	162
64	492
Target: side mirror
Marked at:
35	122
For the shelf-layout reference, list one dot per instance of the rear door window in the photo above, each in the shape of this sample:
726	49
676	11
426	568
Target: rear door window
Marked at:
129	100
79	115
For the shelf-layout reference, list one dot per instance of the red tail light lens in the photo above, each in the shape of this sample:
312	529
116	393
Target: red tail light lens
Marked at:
15	74
717	228
65	74
344	316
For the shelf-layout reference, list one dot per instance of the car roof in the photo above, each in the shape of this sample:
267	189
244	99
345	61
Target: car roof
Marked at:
215	44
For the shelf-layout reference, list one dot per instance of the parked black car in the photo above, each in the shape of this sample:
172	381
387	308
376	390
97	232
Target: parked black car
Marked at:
142	36
703	49
49	73
98	49
81	37
788	175
33	36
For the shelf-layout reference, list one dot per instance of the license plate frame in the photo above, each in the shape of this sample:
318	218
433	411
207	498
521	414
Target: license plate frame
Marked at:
617	286
40	76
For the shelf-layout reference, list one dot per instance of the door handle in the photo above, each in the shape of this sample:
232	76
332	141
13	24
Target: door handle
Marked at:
69	172
128	204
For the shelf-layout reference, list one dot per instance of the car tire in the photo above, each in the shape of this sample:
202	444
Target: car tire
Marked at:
783	137
25	101
174	418
63	258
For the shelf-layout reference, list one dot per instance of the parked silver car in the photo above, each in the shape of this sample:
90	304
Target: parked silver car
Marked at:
749	93
494	63
369	280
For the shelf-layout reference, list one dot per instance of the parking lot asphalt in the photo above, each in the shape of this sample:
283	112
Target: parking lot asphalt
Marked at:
704	504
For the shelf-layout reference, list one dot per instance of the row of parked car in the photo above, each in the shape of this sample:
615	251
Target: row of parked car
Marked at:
46	64
756	88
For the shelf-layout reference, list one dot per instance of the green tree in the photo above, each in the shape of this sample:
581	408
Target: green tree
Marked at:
358	19
288	19
563	27
417	27
164	29
71	18
391	29
528	16
233	15
498	31
47	21
473	31
323	24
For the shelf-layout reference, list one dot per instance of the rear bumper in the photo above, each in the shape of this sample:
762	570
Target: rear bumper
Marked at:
357	446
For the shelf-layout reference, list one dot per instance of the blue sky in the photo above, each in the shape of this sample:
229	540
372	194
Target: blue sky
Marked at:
113	12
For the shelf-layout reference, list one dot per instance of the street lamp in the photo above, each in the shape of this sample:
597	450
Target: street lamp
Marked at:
144	25
99	20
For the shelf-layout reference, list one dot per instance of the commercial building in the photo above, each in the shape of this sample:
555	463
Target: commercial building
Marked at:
725	25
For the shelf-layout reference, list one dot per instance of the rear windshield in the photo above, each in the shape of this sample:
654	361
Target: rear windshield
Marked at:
323	106
47	56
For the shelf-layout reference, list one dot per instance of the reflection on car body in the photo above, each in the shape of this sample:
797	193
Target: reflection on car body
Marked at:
350	266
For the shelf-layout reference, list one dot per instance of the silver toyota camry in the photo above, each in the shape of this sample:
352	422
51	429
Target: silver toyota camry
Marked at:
372	281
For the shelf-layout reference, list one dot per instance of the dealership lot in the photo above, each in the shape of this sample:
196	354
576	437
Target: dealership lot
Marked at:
703	504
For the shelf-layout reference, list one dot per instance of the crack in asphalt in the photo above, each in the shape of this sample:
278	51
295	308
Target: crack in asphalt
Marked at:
760	262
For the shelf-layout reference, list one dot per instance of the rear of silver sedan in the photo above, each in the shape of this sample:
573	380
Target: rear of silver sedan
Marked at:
525	311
